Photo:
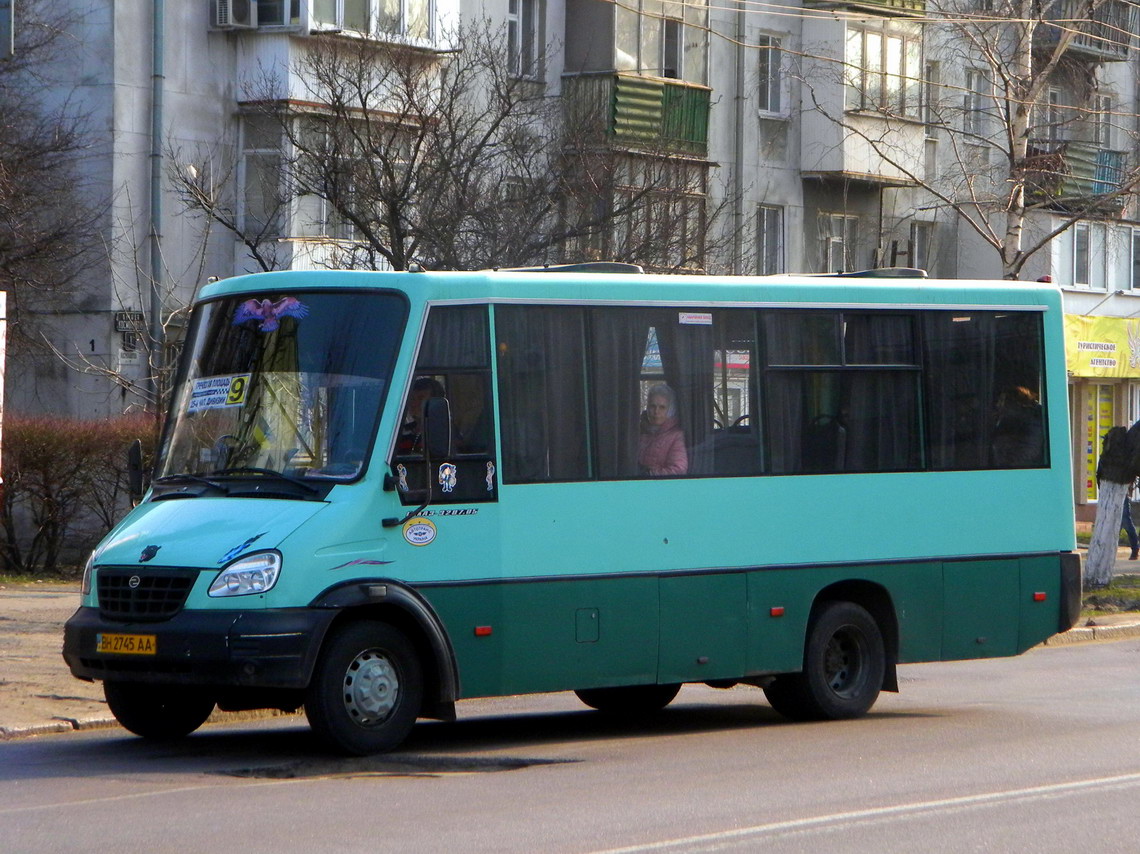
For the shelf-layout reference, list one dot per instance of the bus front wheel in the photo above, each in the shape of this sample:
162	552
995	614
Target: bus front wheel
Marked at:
367	690
629	699
844	663
159	712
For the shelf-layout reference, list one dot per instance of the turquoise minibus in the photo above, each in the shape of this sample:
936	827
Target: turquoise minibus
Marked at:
379	493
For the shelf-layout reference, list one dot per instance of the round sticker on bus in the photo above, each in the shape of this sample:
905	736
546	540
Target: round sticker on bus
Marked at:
419	531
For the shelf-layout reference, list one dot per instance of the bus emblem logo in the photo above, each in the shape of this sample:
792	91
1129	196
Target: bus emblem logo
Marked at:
419	531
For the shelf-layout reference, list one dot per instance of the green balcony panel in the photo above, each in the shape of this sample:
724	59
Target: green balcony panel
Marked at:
643	112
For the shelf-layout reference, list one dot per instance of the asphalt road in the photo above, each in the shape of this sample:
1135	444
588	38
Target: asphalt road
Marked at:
1033	754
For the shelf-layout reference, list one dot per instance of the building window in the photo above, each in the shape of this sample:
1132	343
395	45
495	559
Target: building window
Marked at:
1101	120
770	240
930	95
920	239
973	103
275	13
1134	277
672	44
263	204
1055	116
1082	272
522	37
838	234
411	18
771	82
884	72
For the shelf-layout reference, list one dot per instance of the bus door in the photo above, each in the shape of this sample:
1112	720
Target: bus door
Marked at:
451	545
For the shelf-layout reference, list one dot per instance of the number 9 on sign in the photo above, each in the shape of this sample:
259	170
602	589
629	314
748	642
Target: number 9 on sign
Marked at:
239	385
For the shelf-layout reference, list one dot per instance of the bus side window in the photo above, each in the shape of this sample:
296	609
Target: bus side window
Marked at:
453	363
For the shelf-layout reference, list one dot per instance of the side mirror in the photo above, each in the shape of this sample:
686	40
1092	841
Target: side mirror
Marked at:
437	428
135	471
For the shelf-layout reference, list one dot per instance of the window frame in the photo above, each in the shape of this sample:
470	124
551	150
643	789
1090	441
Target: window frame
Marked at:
921	240
884	71
374	25
523	38
846	238
770	259
770	92
1134	267
1082	270
672	48
975	118
279	223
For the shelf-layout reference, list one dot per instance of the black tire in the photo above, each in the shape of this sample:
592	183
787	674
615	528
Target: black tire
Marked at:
629	700
367	689
844	664
158	712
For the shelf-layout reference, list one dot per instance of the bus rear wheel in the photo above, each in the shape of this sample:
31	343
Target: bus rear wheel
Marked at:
629	700
844	664
158	712
367	689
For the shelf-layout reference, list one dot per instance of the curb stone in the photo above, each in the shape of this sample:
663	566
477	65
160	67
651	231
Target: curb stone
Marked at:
64	724
1084	634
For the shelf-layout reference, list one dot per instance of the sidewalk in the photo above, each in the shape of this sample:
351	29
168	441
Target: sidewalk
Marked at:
39	695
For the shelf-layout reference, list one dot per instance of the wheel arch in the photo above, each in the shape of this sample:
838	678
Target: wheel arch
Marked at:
876	600
405	609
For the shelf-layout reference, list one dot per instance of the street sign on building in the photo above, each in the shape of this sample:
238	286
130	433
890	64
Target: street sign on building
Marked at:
129	321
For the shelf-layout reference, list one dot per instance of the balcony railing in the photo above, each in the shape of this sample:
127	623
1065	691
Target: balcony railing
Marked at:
1076	175
1103	37
642	112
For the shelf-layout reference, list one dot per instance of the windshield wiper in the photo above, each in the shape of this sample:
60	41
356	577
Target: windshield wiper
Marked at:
186	478
259	472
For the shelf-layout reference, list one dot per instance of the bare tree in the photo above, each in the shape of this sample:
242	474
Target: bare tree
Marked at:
1019	110
395	157
47	226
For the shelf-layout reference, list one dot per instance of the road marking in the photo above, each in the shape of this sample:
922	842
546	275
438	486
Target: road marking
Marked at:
821	821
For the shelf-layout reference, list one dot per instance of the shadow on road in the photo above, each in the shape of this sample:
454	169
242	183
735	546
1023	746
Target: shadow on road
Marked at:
284	748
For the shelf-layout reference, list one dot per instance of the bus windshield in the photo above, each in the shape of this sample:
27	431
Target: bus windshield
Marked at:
282	384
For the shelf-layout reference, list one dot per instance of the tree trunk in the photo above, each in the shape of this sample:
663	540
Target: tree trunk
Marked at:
1106	534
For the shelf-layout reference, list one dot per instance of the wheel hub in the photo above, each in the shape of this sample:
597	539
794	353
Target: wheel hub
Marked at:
842	663
371	688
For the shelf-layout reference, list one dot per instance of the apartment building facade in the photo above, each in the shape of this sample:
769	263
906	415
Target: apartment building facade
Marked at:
804	136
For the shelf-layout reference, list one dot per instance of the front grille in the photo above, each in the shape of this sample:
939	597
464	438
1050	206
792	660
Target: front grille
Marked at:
158	594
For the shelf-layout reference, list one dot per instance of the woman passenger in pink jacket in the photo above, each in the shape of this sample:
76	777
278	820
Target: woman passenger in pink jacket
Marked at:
661	448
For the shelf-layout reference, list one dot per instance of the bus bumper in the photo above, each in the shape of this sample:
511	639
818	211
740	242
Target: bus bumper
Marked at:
1071	591
257	649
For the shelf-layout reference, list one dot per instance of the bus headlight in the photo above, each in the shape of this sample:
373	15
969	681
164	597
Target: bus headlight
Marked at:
254	574
88	572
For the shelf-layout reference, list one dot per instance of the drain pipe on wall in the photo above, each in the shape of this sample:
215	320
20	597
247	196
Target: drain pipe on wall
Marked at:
156	267
738	150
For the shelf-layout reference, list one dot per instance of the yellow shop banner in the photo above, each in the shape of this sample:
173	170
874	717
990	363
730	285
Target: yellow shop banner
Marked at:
1102	346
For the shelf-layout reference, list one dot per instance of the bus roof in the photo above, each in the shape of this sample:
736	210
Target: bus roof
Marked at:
649	289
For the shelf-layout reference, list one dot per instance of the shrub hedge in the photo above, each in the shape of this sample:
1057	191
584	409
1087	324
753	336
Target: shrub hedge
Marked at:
65	485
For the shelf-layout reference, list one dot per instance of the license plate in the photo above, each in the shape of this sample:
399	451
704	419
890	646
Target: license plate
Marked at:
125	644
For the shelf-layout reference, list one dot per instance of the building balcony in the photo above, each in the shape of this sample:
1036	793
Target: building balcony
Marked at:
867	148
876	7
638	112
1076	176
1102	38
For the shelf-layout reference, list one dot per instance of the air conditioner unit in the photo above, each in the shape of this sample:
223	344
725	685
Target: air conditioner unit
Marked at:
235	14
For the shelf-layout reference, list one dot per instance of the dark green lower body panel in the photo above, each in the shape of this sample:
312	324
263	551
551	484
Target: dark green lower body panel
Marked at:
524	636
